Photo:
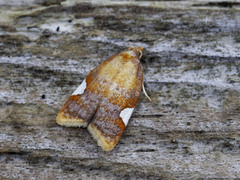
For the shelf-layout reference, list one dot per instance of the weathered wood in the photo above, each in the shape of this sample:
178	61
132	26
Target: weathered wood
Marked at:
191	63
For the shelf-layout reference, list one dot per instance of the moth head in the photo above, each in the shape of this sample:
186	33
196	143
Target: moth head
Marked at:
135	51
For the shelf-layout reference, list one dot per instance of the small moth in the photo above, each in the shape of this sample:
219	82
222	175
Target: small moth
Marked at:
105	100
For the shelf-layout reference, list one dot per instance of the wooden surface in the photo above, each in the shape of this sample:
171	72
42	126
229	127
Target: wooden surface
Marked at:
191	64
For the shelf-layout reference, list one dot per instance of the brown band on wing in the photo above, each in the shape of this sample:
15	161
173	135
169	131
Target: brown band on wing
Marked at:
79	109
107	127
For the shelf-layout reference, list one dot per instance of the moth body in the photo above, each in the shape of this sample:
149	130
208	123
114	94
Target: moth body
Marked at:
105	100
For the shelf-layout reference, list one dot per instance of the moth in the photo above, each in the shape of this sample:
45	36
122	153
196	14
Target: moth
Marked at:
105	100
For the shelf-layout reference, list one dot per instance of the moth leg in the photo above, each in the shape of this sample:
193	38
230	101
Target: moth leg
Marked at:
144	91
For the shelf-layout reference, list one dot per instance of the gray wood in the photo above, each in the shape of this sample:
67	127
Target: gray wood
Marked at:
191	64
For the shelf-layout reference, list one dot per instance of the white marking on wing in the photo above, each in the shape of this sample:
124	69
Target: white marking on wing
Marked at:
81	88
126	114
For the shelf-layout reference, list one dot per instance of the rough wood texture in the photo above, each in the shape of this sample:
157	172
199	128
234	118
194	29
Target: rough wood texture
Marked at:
191	64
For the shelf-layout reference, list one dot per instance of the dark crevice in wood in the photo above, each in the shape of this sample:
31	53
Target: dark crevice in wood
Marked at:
221	4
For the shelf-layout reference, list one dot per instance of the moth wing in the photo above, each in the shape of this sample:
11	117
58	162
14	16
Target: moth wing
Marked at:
113	113
79	108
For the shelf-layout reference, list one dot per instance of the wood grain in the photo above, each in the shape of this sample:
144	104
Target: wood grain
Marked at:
191	63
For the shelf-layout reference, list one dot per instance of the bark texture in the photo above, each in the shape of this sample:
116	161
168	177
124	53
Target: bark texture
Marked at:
191	63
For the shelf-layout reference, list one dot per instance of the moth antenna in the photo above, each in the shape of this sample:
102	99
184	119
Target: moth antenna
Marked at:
144	91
